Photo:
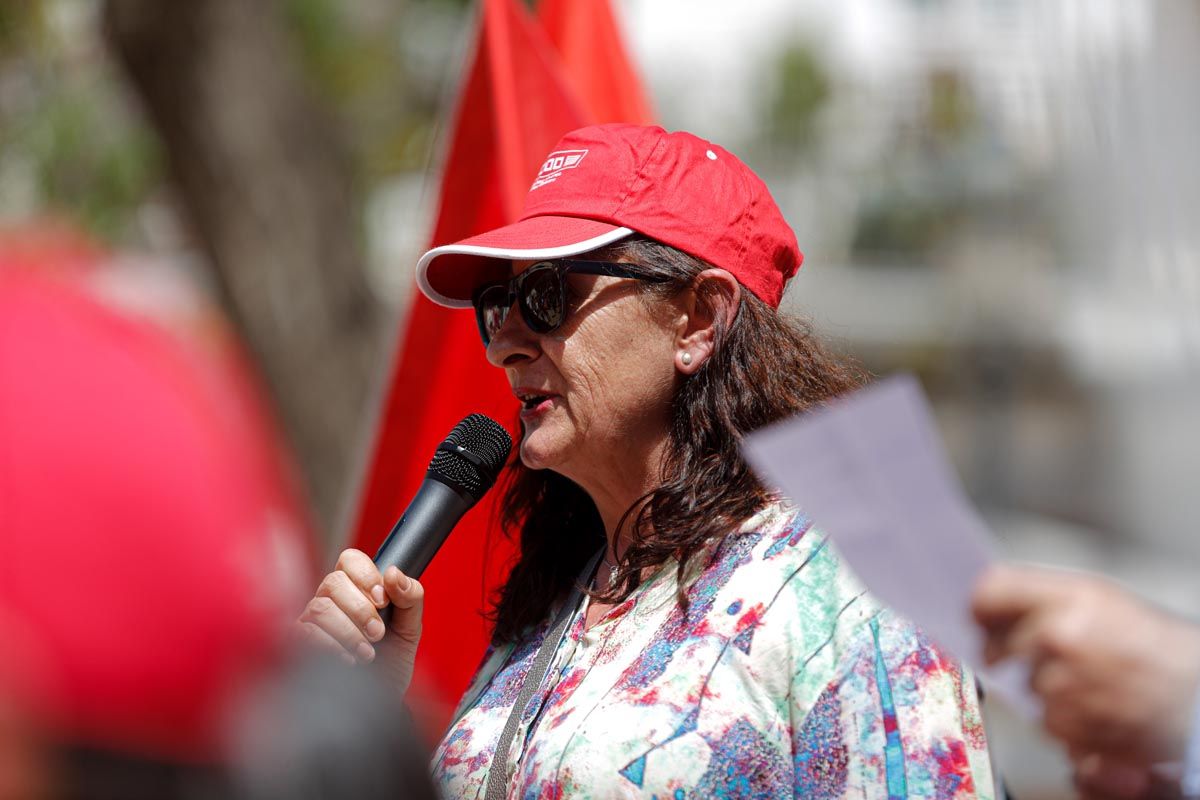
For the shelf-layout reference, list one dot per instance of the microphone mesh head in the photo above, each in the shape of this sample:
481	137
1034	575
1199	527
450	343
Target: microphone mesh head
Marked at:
483	438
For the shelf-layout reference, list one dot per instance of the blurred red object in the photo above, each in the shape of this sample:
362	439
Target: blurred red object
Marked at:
515	103
151	544
49	247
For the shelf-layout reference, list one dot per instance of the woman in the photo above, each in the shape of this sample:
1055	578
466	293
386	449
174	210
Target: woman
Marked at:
717	647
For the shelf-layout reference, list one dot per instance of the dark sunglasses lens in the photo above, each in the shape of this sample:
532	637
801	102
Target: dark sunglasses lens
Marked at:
492	309
541	298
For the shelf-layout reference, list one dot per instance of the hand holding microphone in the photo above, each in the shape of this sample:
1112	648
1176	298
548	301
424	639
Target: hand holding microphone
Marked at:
370	610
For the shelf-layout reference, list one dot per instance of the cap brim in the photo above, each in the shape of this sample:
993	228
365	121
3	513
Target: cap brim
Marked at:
447	275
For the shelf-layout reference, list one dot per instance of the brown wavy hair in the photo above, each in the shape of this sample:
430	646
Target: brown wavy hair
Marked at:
764	367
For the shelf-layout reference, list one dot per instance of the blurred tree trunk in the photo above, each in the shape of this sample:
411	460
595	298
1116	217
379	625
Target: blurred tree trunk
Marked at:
267	184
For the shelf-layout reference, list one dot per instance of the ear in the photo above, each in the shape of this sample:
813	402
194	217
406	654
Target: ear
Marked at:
710	303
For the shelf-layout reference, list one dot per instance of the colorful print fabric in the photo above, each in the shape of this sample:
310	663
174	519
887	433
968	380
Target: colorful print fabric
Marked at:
782	679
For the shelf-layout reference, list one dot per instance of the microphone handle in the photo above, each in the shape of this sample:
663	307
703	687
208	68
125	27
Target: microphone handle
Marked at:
422	528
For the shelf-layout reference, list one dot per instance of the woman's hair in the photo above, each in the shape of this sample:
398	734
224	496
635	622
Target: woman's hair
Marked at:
764	367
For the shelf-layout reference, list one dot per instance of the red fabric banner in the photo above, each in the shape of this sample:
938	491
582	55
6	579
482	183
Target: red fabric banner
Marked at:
592	51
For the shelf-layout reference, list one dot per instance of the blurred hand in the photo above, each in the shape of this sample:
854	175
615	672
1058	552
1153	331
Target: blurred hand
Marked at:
344	616
1117	677
1105	778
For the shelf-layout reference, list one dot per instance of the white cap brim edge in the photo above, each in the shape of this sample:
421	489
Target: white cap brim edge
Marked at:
562	251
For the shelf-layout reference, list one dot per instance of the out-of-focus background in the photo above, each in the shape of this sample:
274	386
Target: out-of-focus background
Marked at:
999	195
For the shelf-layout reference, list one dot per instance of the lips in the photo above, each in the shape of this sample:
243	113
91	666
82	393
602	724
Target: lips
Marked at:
534	400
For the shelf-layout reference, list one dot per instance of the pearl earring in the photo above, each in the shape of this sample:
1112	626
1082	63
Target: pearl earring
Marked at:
686	358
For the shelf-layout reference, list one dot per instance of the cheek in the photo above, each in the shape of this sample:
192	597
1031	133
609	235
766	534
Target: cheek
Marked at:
620	376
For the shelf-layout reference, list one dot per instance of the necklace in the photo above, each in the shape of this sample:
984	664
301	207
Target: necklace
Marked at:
613	569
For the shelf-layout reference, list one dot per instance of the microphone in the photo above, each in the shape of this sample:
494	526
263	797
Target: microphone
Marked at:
463	468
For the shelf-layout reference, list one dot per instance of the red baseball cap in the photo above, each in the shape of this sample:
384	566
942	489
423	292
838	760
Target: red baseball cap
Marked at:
605	182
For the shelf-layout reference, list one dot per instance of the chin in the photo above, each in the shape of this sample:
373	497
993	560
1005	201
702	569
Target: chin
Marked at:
541	450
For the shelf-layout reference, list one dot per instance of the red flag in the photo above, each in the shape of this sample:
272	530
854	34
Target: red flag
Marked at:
516	102
589	43
514	105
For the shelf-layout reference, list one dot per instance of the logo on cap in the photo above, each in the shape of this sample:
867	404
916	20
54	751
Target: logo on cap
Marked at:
556	163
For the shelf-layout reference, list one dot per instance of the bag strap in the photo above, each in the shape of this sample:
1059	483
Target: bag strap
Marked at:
497	784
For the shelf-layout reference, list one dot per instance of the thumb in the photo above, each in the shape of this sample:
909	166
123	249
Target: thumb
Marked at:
408	602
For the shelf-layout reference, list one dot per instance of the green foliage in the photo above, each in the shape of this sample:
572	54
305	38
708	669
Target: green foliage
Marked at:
19	21
359	62
324	43
925	187
90	163
317	25
801	91
68	127
951	114
77	147
901	224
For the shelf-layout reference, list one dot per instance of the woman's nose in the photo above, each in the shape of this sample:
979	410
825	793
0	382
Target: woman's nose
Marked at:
512	342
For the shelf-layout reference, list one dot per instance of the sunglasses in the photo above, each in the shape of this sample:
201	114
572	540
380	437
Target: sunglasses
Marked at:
540	292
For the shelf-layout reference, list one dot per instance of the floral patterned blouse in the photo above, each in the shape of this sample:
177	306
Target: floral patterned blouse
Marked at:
783	678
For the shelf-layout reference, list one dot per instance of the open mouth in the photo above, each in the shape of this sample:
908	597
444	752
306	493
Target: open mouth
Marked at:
532	401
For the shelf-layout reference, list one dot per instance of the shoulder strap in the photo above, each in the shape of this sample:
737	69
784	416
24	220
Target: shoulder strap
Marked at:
497	784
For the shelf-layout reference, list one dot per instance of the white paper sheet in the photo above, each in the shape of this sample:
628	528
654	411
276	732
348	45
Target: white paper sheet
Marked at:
869	471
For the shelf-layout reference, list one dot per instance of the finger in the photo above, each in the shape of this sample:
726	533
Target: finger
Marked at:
995	644
1065	714
1028	638
1052	678
1011	641
1076	753
1097	776
408	597
1006	593
324	613
364	574
313	636
339	587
